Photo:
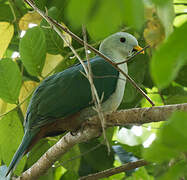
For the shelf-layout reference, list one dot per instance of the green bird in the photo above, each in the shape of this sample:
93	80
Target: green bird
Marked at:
62	101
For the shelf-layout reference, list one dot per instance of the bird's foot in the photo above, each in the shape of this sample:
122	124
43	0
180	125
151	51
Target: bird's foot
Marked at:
74	133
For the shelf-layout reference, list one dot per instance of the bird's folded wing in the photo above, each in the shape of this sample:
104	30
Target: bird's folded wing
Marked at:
68	92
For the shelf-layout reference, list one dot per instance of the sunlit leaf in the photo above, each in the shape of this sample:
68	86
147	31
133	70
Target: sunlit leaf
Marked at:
26	90
31	17
50	63
6	33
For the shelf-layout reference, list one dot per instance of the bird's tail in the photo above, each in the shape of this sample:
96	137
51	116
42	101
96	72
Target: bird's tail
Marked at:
27	138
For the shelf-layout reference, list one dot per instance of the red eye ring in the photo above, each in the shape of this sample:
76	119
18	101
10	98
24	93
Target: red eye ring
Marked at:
122	39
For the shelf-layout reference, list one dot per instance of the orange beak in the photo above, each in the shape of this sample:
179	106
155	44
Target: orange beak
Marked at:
138	48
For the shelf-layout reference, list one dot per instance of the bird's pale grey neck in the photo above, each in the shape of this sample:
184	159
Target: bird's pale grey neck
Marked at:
114	55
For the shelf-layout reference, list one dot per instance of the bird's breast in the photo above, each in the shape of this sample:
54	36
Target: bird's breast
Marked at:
113	102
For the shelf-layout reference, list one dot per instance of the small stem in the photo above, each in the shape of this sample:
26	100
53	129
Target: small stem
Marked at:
116	170
185	4
11	5
182	13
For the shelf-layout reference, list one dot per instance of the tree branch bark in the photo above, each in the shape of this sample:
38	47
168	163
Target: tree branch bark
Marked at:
92	128
116	170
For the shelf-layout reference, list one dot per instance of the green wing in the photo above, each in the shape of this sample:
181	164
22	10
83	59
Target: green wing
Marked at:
68	92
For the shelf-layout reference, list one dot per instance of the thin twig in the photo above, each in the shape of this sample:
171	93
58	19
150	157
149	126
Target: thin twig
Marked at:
55	24
116	170
182	13
131	57
95	96
185	4
82	154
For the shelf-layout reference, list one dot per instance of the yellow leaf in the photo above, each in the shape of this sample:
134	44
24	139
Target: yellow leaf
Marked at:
26	89
68	37
50	63
154	32
5	107
31	17
6	33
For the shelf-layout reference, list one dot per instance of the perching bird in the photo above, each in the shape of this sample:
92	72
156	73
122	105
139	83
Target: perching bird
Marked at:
63	100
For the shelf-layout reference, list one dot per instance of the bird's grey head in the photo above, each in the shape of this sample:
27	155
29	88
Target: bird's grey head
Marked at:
119	45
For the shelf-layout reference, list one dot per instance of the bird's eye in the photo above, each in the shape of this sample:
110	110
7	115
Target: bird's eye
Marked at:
122	39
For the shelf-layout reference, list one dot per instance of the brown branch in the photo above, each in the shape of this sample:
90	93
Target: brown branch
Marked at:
55	24
116	170
92	129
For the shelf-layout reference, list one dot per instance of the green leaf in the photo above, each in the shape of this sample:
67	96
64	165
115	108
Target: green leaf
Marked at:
6	13
181	78
175	172
102	24
54	43
171	140
64	64
37	151
175	94
160	2
11	133
109	132
33	50
10	80
177	99
47	176
67	161
169	58
133	13
119	176
99	154
70	175
79	13
6	33
59	171
166	14
136	150
41	4
173	90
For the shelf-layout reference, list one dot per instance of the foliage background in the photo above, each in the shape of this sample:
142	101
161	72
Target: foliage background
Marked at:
31	51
